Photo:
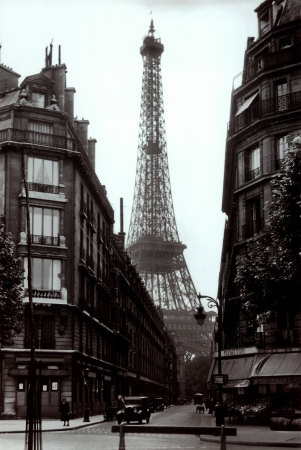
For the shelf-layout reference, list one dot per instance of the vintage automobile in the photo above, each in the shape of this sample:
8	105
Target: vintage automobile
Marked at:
134	409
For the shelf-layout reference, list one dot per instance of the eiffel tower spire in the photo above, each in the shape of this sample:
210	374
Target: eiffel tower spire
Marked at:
153	240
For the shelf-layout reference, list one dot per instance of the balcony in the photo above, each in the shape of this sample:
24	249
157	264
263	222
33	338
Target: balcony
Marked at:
252	174
33	137
45	240
261	109
44	293
270	61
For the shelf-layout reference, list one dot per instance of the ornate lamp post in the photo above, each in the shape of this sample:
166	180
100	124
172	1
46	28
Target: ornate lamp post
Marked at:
86	383
220	378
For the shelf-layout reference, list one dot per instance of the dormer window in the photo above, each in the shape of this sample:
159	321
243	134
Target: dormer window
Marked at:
264	22
38	99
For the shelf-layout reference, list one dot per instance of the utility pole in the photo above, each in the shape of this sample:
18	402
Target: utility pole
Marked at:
33	434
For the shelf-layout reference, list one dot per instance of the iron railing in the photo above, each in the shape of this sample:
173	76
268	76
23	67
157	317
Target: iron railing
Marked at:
44	293
45	240
37	138
259	109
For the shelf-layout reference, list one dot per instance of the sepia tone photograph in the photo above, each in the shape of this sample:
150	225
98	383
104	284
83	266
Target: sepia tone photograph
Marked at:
150	224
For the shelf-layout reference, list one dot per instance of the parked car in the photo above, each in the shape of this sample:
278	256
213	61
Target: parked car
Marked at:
158	404
135	409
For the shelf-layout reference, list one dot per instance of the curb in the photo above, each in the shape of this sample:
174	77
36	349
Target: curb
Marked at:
75	427
256	444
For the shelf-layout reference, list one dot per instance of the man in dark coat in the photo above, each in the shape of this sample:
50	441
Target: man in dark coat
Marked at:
65	412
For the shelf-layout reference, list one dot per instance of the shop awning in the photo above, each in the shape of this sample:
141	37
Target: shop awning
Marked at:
238	371
277	368
246	104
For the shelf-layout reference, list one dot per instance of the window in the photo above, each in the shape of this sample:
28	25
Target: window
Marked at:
254	215
21	384
282	147
46	274
281	92
44	225
264	23
253	164
42	171
285	42
38	99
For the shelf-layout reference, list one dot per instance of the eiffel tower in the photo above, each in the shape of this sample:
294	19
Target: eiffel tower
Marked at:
153	241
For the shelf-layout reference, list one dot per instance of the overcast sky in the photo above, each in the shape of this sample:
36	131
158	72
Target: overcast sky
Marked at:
204	44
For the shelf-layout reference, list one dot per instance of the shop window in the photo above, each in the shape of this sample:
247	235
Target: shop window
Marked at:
54	386
21	384
45	385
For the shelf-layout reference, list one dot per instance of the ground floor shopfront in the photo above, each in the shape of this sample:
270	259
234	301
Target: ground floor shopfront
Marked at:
258	379
84	382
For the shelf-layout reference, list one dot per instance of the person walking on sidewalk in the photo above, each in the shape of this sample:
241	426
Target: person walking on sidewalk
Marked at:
219	414
65	412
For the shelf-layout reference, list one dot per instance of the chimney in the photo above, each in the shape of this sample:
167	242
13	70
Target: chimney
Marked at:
69	102
121	234
58	75
8	78
91	151
81	127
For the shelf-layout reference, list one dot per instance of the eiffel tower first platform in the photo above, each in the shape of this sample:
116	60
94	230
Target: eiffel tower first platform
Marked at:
153	241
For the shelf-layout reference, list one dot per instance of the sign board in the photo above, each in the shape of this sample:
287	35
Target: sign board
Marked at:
219	378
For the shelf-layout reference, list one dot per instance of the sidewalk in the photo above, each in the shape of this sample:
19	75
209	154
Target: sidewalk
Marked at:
19	425
260	436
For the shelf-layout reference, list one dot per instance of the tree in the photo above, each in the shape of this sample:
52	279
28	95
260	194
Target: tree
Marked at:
269	269
11	288
196	374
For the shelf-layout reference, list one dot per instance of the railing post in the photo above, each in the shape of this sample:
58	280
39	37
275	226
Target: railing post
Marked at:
223	438
121	438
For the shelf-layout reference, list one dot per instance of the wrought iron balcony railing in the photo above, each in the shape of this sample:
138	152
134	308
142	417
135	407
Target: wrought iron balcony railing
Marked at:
252	174
34	137
45	240
260	109
47	188
44	293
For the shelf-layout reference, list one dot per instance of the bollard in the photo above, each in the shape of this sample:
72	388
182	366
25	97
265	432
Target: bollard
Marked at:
223	438
121	438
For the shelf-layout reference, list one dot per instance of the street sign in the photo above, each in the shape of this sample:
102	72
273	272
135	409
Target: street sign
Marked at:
219	378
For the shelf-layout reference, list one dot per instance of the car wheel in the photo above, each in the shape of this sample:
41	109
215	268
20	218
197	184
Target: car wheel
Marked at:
147	420
127	421
119	421
140	421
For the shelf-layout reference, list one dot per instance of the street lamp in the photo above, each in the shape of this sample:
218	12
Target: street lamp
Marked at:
220	378
86	383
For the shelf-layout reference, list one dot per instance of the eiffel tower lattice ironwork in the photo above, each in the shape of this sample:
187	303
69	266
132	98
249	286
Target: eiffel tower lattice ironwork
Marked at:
153	241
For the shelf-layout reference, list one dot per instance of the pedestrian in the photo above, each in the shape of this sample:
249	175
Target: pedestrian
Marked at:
65	412
219	414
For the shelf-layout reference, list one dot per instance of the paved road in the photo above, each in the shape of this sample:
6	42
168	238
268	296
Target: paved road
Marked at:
99	436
